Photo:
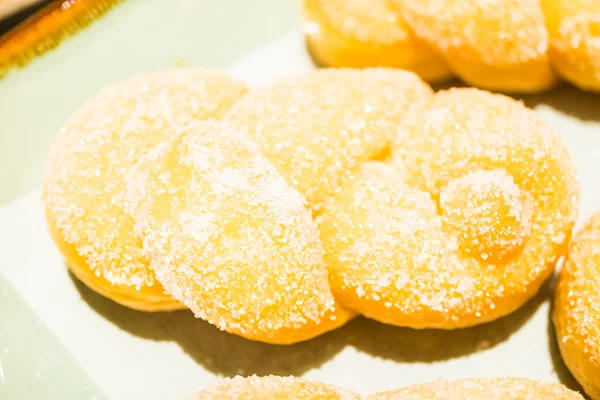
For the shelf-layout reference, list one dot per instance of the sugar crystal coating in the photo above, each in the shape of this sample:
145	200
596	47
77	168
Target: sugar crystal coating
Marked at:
273	387
466	225
383	243
230	238
489	214
316	128
84	180
574	29
493	44
577	307
367	33
505	45
277	387
481	389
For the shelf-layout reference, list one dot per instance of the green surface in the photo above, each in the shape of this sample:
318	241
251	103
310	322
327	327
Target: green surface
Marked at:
135	37
33	365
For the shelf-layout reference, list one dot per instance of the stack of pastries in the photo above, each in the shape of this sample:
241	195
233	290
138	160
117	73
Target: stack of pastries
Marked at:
281	212
521	46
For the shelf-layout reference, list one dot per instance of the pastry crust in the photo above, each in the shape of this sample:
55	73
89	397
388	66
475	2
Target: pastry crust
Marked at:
360	34
84	182
466	222
577	307
481	389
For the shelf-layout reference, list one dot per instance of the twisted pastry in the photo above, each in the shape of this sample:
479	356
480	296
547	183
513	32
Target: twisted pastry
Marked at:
466	225
230	238
576	314
316	197
316	128
84	182
275	387
359	34
481	389
574	28
502	45
496	45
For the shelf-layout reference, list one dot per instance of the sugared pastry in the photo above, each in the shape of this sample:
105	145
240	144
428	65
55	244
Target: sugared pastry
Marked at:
273	387
230	238
368	33
463	226
317	127
577	307
481	389
276	387
492	44
574	28
85	175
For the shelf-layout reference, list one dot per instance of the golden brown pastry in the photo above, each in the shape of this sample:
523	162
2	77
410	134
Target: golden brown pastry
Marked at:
577	307
84	184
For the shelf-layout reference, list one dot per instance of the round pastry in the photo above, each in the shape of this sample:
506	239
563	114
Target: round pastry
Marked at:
493	44
481	389
577	307
230	238
463	226
367	33
273	387
85	175
316	128
574	28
